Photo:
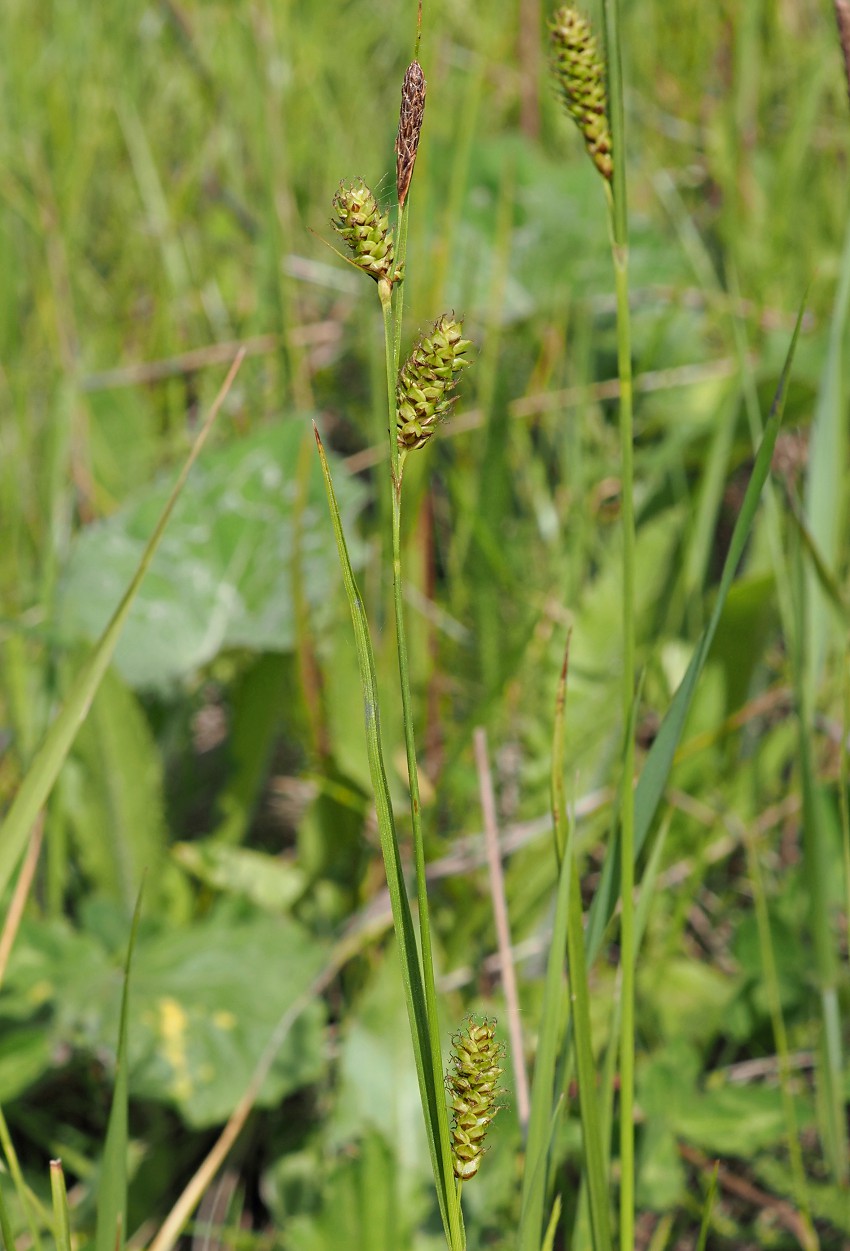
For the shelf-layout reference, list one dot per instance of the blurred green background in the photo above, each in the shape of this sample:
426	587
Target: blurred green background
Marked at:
166	176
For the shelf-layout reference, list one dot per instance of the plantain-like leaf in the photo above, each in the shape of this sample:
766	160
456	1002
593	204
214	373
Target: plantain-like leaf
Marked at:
222	577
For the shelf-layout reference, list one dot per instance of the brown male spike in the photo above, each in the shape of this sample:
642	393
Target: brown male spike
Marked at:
409	128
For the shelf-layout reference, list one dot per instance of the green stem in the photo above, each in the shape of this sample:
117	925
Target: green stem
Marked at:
392	344
620	249
594	1154
398	298
627	815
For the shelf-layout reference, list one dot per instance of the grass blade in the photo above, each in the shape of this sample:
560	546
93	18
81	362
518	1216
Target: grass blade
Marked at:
659	761
707	1207
36	1216
5	1224
411	969
61	1220
825	502
50	757
568	932
111	1223
540	1124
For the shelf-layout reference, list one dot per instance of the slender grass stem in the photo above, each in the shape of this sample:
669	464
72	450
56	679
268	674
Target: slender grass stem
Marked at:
627	813
392	312
620	251
398	294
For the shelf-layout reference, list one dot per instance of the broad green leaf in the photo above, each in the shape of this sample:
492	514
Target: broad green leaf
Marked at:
719	1117
828	1201
25	1055
662	1182
205	1002
266	880
222	577
689	998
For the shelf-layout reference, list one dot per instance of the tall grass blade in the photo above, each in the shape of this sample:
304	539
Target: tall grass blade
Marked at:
817	861
568	930
831	592
825	496
411	969
111	1223
5	1224
707	1207
551	1228
596	1175
541	1122
50	757
36	1216
659	761
61	1219
770	970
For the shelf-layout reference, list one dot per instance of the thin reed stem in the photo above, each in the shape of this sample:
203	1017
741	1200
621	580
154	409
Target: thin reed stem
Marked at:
620	250
627	811
392	315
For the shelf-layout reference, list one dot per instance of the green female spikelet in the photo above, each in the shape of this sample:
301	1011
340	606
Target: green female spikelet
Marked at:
472	1082
427	381
581	78
366	230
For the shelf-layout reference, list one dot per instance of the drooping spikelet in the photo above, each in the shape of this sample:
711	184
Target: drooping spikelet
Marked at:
366	230
409	128
581	78
472	1081
427	380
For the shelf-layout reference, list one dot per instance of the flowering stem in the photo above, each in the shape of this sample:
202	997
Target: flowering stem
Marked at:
392	346
618	214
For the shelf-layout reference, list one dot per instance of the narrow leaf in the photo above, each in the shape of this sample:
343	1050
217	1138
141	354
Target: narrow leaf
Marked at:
402	921
111	1225
50	757
659	761
61	1220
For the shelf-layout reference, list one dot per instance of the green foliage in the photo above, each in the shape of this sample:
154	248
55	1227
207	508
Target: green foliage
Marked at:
161	168
204	1003
223	577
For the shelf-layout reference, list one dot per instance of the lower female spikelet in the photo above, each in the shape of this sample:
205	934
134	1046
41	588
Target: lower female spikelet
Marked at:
427	380
366	230
472	1080
581	78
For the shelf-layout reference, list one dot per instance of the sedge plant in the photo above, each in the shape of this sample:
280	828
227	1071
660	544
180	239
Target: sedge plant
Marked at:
593	98
420	394
591	87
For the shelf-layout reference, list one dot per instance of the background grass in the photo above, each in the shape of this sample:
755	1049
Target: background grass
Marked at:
166	172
